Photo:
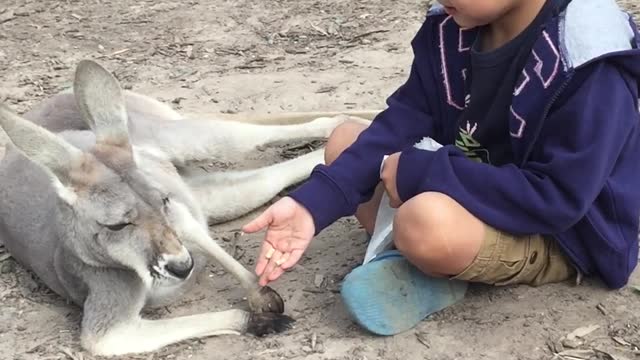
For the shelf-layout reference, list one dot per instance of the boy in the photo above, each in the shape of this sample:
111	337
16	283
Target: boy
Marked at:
535	103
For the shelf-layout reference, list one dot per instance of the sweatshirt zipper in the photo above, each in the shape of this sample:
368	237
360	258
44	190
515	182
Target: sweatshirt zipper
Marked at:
547	108
578	263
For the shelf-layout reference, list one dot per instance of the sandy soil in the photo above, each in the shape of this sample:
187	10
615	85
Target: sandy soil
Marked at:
229	56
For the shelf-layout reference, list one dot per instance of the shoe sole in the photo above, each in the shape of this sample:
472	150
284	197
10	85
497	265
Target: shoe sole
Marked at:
389	295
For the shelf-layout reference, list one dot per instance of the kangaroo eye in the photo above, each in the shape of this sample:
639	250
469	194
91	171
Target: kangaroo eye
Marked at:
117	227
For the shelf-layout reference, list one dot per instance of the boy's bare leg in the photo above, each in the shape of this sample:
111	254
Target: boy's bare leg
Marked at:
366	213
341	138
437	234
441	238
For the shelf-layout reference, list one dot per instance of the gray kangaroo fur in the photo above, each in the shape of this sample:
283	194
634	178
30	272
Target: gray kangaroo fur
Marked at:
94	202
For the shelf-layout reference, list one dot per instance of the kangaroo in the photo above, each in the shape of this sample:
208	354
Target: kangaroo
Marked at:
94	202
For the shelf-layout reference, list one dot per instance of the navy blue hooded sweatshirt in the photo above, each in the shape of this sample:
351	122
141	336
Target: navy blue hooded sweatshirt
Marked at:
574	133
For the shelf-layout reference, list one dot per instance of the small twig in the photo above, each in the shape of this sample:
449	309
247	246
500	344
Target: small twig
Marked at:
251	66
367	34
320	291
131	22
7	16
42	342
118	52
318	29
326	89
422	340
68	352
314	291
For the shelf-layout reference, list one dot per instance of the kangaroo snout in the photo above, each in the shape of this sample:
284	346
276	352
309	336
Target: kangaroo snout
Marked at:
180	268
177	266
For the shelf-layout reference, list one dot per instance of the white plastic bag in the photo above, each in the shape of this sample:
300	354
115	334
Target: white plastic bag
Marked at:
382	237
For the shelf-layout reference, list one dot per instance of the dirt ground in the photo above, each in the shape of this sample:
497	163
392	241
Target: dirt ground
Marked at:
228	56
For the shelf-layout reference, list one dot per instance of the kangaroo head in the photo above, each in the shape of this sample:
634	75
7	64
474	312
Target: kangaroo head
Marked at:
110	214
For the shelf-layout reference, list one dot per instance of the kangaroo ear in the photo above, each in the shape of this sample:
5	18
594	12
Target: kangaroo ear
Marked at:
101	102
52	153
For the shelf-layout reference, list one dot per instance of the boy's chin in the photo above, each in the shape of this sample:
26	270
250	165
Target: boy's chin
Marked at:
466	23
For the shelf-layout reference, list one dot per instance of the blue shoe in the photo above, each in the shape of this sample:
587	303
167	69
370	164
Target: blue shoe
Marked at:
389	295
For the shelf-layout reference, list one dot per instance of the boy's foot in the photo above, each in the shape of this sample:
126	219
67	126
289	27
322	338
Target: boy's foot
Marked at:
389	295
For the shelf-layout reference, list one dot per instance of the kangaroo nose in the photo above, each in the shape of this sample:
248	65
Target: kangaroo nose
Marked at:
180	268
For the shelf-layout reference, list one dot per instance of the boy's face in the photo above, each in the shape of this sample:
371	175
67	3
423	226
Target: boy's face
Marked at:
472	13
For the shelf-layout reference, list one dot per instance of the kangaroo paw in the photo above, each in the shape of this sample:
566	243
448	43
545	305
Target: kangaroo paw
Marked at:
268	323
266	300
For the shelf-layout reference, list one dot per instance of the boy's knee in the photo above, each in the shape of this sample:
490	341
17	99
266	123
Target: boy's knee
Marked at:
421	222
422	229
341	138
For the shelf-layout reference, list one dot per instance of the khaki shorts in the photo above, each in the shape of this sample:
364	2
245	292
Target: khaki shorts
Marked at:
505	259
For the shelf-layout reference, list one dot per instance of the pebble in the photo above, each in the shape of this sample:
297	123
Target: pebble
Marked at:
7	267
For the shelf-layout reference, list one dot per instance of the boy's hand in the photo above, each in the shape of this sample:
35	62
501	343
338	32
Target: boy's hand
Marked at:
290	229
388	177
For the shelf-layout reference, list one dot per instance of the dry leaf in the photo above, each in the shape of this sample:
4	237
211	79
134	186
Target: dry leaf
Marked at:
577	354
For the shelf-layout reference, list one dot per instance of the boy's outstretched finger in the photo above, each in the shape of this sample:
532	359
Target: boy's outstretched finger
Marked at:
259	223
263	258
292	259
275	274
272	264
287	261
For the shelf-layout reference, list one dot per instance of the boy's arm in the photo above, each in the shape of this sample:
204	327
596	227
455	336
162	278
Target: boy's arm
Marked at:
335	191
576	151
